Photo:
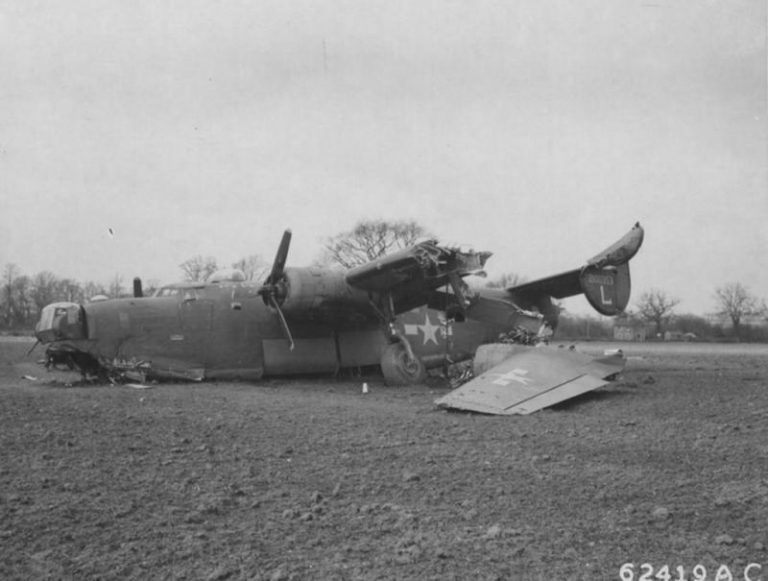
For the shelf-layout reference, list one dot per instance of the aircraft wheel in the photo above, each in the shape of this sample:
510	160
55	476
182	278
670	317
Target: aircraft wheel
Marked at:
398	369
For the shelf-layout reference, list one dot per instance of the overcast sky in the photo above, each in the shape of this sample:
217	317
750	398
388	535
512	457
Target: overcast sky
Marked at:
541	131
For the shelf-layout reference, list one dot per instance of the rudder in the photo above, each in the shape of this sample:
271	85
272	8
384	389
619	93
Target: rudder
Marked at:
607	289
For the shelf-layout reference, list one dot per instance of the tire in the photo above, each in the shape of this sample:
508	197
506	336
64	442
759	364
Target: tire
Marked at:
398	370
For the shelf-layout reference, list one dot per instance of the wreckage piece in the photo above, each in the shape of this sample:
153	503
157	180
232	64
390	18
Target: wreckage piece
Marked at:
407	312
604	279
529	379
409	277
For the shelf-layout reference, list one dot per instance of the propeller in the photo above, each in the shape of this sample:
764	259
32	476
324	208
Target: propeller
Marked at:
273	290
33	348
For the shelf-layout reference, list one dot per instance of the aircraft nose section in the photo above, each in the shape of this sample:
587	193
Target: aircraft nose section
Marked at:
60	321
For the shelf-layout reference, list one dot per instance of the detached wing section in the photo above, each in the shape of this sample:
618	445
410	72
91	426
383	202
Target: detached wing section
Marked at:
411	275
536	378
604	279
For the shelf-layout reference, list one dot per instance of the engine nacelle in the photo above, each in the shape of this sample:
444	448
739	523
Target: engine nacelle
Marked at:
320	295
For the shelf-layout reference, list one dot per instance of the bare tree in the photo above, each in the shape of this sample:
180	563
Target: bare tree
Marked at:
43	289
254	267
369	240
116	286
92	289
198	268
22	299
151	286
505	280
736	302
10	273
69	290
656	306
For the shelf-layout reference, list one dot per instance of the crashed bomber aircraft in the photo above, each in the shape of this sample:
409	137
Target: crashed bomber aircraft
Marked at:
407	312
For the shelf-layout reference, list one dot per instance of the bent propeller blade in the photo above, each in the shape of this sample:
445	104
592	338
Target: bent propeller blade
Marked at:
280	258
283	322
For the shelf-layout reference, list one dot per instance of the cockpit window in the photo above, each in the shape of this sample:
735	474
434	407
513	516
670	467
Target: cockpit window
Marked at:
60	321
193	294
187	294
54	312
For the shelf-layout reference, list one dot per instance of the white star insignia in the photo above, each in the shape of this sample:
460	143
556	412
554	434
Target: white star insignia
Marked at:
429	330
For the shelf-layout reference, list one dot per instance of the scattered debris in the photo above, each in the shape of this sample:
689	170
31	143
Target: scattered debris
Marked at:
522	336
493	532
409	476
660	513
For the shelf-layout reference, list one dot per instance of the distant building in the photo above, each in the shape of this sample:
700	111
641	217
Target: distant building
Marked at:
629	329
679	336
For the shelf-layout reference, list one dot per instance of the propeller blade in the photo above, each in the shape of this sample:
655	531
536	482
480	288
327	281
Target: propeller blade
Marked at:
282	255
286	329
33	348
270	288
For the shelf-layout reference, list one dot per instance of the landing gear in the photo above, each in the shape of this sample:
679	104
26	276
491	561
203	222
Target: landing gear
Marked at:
399	364
400	367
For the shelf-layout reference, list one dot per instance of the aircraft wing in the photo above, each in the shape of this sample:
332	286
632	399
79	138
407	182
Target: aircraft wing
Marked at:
604	279
536	378
410	275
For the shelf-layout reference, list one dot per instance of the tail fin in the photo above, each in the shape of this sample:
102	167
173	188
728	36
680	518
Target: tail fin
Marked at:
604	279
607	289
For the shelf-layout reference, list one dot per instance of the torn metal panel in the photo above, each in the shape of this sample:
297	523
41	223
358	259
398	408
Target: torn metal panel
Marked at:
530	379
134	369
426	262
621	251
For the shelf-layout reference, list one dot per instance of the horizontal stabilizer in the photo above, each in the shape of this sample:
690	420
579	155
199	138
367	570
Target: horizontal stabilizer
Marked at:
604	279
528	381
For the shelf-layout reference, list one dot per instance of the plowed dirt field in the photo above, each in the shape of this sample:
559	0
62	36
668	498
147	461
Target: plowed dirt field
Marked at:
311	479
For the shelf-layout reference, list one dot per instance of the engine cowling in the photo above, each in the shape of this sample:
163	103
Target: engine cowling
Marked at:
320	294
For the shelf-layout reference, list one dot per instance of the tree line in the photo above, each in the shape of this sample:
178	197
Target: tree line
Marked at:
734	304
739	315
23	296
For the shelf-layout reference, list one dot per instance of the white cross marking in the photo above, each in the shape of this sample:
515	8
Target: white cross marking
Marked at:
514	375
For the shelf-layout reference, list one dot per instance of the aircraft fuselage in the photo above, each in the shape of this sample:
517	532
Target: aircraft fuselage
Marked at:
225	330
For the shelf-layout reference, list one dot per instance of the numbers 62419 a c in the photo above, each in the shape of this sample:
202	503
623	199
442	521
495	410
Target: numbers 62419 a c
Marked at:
647	572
